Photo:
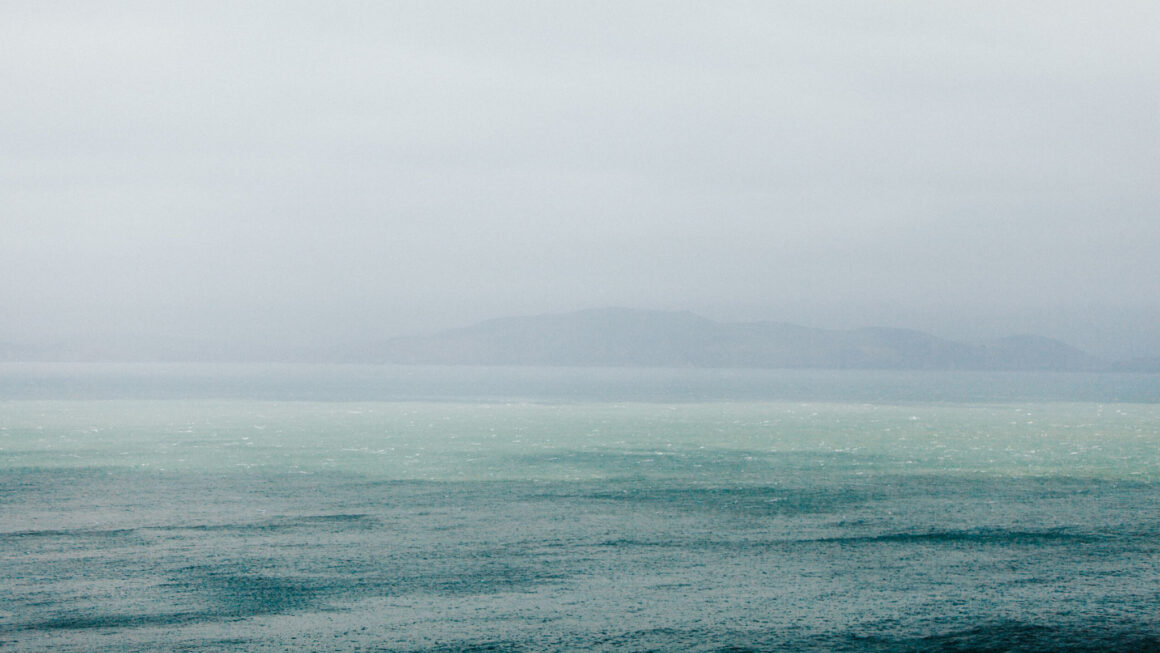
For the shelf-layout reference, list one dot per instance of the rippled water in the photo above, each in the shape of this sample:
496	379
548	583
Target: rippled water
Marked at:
771	523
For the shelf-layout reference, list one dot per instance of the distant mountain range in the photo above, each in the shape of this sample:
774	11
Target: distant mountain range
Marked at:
623	337
620	337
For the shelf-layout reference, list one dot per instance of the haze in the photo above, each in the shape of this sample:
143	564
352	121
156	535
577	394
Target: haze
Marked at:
274	176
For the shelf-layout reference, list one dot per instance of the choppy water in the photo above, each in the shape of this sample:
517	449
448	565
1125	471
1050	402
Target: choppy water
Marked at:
250	519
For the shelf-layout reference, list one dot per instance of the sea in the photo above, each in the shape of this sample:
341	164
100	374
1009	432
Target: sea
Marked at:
247	507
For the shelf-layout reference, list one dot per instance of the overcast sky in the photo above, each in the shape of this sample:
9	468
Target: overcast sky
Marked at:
301	173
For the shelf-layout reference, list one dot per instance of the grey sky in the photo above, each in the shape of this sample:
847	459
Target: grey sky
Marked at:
298	173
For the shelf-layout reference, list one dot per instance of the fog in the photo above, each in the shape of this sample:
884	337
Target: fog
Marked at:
275	176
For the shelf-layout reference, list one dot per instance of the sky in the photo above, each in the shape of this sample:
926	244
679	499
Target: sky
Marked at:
304	174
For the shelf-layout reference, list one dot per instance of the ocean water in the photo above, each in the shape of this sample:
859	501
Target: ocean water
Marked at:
423	509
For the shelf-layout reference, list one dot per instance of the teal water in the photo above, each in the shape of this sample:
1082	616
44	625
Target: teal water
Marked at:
555	385
153	507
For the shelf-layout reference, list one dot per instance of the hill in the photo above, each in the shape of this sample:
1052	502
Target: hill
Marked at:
620	337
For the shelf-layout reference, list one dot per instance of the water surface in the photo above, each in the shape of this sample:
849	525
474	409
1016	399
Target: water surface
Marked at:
258	510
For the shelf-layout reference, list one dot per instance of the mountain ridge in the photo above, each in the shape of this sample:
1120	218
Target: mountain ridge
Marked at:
626	337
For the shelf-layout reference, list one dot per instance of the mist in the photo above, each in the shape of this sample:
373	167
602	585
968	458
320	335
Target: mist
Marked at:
256	178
